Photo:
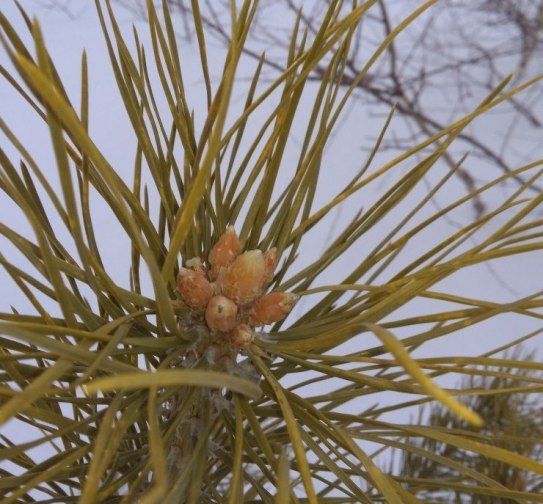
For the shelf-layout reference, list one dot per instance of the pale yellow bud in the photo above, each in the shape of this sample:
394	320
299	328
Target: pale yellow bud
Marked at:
194	288
244	279
270	261
221	314
242	336
223	252
272	307
196	264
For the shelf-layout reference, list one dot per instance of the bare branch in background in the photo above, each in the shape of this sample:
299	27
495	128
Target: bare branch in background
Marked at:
464	48
515	417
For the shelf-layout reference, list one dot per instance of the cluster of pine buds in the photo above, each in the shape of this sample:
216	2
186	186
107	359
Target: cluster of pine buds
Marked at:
228	292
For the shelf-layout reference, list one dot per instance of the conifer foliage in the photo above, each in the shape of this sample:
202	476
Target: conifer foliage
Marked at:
193	381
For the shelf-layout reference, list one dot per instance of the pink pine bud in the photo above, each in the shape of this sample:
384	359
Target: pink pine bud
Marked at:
242	336
221	314
194	288
196	264
244	279
270	261
223	252
272	307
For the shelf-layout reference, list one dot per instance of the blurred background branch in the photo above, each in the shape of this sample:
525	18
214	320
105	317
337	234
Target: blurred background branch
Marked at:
464	49
512	420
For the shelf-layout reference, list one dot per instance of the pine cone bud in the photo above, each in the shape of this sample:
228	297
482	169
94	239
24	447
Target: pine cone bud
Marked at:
242	336
223	252
244	279
196	264
221	314
272	307
194	288
270	262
